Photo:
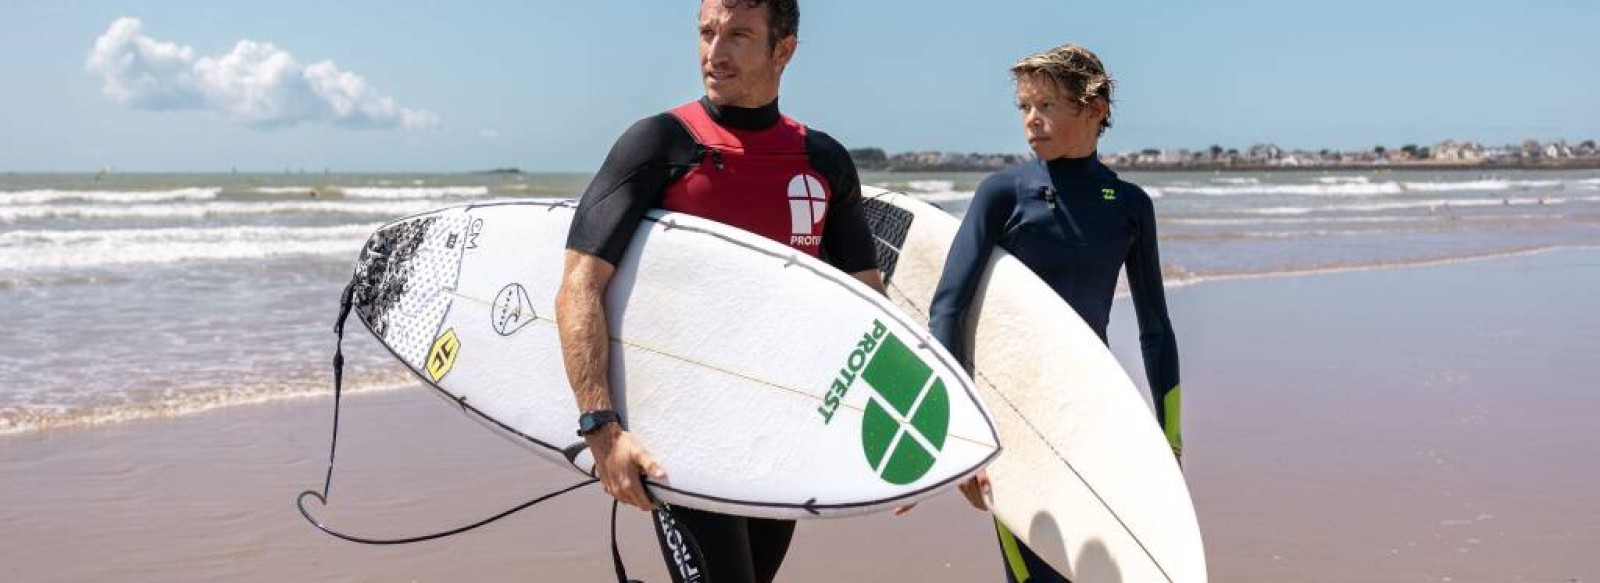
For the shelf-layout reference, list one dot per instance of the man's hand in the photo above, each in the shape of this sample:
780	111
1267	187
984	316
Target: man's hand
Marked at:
620	461
873	278
975	488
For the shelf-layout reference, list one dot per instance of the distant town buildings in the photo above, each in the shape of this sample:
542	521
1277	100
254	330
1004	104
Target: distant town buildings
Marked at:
1449	153
1531	153
878	160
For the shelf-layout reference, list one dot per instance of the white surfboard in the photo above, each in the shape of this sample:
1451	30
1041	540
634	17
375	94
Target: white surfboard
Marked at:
766	383
1086	478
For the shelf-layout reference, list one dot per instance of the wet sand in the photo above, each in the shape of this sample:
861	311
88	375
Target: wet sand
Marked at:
1424	424
1420	424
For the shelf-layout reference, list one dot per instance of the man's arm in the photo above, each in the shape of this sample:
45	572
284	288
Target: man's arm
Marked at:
847	241
586	353
628	184
581	318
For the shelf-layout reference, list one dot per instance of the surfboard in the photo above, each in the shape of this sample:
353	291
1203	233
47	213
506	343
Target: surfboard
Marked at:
1086	478
766	382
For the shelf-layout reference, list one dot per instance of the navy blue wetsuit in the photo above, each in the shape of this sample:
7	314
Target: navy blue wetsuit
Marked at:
1076	225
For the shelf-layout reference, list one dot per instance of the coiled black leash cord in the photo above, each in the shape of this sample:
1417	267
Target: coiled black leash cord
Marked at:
345	302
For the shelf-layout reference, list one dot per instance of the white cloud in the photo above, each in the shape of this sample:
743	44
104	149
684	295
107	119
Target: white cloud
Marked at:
489	134
257	84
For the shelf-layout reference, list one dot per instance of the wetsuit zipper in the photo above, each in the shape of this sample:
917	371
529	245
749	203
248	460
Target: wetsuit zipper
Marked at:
1061	214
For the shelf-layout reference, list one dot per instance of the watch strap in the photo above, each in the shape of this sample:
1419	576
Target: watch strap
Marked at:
592	421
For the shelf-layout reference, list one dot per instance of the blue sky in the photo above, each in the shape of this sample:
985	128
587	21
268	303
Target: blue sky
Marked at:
547	86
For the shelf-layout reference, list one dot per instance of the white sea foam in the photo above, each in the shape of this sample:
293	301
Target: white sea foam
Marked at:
1356	186
1433	205
1297	234
1320	189
1225	222
210	210
1344	180
930	185
20	419
408	193
1289	220
933	191
1488	184
1236	180
24	197
27	251
384	192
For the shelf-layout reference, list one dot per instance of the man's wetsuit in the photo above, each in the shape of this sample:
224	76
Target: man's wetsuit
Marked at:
1075	224
750	168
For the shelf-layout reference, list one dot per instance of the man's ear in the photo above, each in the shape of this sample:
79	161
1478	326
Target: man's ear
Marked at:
784	52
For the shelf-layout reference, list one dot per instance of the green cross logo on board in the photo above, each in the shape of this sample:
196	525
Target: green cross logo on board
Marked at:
907	416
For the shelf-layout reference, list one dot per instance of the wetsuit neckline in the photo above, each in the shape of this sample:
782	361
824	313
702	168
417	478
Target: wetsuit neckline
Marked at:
1073	166
743	118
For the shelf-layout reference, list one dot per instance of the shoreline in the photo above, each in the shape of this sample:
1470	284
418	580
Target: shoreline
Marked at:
98	417
1391	266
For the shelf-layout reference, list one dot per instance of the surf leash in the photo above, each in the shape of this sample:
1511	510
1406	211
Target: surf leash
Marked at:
300	502
345	303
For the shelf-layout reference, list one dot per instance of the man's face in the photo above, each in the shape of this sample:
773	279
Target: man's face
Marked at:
738	63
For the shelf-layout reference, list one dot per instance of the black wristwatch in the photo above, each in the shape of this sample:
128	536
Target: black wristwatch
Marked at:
592	421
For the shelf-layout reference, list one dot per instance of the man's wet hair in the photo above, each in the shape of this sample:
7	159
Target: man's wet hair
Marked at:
783	16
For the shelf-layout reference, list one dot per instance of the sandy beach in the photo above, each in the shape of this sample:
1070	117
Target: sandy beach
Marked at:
1418	424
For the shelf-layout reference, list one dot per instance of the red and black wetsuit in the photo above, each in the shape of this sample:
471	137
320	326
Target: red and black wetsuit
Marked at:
757	170
750	168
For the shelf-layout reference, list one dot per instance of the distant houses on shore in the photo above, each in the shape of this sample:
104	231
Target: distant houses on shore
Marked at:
1446	154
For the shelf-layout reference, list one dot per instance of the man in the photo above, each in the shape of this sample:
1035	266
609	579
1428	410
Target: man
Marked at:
730	157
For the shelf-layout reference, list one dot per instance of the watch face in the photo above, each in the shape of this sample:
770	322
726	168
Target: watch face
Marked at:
593	420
